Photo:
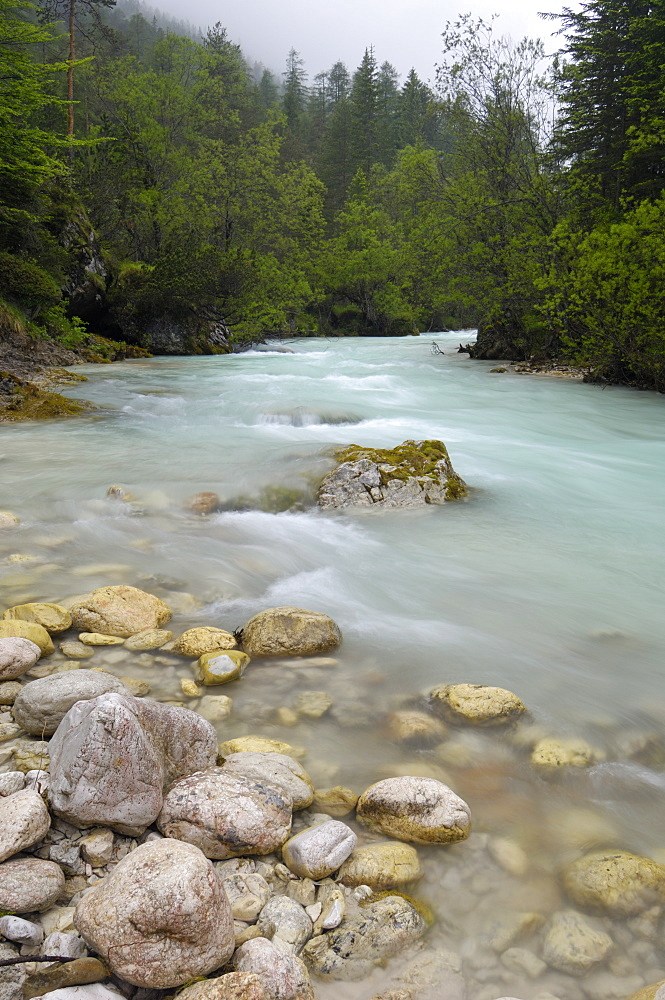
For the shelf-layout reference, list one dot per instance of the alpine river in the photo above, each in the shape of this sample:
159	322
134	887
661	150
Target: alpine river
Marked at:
547	581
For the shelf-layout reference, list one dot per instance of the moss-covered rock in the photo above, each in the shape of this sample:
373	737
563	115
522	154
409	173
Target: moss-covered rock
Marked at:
222	666
413	474
290	632
50	616
615	883
478	704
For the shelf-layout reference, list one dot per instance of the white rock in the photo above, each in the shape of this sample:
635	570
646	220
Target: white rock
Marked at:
421	810
20	930
112	757
17	656
29	884
277	769
285	923
64	945
11	781
284	976
24	820
94	991
247	893
319	851
42	704
160	918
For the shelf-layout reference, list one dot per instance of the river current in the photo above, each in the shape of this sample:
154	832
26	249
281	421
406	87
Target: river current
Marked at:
547	581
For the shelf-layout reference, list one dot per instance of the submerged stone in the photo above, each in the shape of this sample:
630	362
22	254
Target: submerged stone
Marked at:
290	632
616	883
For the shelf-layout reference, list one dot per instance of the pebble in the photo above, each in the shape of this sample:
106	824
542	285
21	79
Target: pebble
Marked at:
98	639
11	781
319	851
148	639
21	931
76	650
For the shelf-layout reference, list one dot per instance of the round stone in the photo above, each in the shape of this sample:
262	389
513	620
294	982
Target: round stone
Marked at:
616	883
120	610
17	656
551	755
277	769
24	820
259	744
97	639
222	666
43	703
197	641
290	632
29	884
27	630
8	520
415	728
572	945
421	810
50	616
478	704
151	638
389	865
319	850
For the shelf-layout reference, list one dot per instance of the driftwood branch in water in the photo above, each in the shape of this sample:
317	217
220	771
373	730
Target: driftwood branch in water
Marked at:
24	959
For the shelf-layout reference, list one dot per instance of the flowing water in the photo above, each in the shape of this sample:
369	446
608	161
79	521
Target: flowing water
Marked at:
547	581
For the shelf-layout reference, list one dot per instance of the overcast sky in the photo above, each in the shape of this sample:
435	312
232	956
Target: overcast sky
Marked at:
405	32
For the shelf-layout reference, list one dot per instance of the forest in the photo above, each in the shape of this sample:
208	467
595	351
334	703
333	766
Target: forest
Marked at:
155	183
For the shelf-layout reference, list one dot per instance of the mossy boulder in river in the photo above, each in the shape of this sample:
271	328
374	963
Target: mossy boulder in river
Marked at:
413	474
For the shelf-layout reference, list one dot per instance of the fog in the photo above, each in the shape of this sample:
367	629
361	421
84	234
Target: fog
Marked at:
405	32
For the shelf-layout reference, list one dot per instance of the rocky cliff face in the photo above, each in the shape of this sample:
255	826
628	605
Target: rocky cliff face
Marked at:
195	333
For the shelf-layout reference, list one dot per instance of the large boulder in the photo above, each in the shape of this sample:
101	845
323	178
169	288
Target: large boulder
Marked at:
17	655
122	611
290	632
615	883
29	884
413	474
277	769
478	704
160	918
573	945
24	820
226	815
42	704
113	756
378	931
421	810
283	975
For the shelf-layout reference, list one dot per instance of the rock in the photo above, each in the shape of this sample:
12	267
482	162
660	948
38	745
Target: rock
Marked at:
9	691
289	632
313	704
336	801
97	639
389	865
523	962
76	650
92	991
615	882
233	986
422	810
112	757
378	931
656	991
24	820
42	704
38	780
277	769
8	730
29	884
572	945
151	638
415	728
550	754
31	755
247	893
333	911
160	918
203	503
8	520
58	977
50	616
21	931
222	666
10	782
259	744
434	975
478	704
214	707
413	474
197	641
226	815
27	630
283	976
509	855
319	851
285	923
97	847
17	655
136	686
121	611
63	944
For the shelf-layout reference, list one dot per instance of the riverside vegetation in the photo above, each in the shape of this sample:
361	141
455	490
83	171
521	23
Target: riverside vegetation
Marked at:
158	190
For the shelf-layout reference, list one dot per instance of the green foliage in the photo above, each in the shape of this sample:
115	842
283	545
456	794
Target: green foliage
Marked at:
25	282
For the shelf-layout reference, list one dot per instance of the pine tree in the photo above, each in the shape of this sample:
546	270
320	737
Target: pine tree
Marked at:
364	113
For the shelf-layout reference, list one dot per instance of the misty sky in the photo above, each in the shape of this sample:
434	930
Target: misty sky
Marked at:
405	32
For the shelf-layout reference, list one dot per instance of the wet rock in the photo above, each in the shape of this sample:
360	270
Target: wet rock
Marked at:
204	503
21	931
50	616
318	851
8	520
215	707
285	923
615	882
434	975
259	744
226	815
10	782
415	728
422	810
197	641
523	962
509	855
121	611
17	656
550	754
222	666
412	475
28	630
139	688
656	991
276	769
151	638
233	986
290	631
112	757
389	865
160	918
24	820
336	801
247	893
581	829
380	930
573	945
478	704
283	976
97	639
42	704
76	650
81	971
313	704
29	884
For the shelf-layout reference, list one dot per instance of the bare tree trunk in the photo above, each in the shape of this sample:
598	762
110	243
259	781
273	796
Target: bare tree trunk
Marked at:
70	70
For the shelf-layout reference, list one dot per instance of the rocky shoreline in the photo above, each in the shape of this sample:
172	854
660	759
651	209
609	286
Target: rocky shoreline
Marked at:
147	843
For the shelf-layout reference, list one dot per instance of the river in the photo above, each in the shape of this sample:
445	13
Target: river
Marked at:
548	581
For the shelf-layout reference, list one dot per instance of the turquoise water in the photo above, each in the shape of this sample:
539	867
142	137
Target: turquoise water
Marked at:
548	581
